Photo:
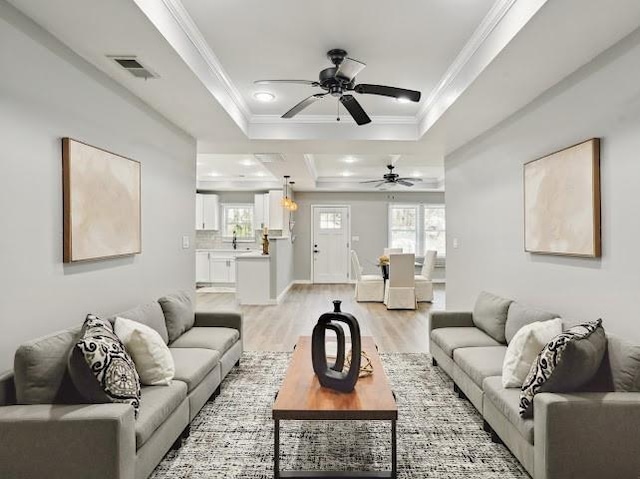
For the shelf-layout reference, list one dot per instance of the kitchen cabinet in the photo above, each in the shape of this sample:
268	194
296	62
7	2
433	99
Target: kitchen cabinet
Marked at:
202	267
219	270
276	210
207	212
261	210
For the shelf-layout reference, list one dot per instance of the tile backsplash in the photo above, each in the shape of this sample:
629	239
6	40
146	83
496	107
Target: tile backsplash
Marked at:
213	240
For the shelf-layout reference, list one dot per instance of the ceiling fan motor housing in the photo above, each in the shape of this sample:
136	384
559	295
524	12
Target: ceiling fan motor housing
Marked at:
335	85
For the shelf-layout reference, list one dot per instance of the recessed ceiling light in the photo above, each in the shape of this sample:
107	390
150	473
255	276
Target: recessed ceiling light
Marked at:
416	174
212	174
264	96
349	159
346	173
246	163
403	99
259	173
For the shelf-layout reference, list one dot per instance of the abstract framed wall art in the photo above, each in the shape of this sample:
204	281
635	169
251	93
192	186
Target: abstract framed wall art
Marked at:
562	202
101	203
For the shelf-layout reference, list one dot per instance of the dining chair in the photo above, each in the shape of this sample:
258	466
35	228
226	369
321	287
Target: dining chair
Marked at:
388	251
369	287
424	281
400	291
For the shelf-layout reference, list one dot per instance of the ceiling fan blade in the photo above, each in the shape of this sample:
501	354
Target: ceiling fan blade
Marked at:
390	91
355	109
349	68
303	104
404	182
410	179
381	183
371	181
299	82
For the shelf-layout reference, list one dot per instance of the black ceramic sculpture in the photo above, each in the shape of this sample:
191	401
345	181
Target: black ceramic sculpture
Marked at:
333	377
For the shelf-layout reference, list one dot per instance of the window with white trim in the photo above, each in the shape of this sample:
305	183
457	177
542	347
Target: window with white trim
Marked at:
417	228
239	218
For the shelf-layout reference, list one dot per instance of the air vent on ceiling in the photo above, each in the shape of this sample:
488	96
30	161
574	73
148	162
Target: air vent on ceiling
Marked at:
133	66
268	157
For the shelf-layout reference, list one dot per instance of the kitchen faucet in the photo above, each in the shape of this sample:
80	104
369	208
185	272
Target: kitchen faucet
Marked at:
234	242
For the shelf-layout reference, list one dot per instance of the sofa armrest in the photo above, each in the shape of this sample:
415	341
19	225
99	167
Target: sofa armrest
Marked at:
65	440
587	435
221	319
450	319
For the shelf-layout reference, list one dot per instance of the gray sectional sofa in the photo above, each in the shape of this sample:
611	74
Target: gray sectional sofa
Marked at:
587	435
44	434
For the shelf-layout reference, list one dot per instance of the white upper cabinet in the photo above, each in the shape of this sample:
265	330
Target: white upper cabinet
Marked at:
207	212
258	211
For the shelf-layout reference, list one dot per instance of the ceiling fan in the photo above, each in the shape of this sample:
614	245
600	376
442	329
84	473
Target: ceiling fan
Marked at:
392	178
338	81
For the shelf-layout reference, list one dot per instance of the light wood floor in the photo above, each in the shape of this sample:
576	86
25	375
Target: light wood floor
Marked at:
276	328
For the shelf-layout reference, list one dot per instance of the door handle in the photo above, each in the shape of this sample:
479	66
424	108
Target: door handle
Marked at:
316	251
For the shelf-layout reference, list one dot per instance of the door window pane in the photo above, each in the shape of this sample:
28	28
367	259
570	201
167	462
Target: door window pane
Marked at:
330	221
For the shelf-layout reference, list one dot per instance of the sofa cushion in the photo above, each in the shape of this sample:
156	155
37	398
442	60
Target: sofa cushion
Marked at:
523	349
218	339
490	315
178	313
149	314
566	364
449	339
193	364
520	315
40	369
507	401
156	405
101	368
480	362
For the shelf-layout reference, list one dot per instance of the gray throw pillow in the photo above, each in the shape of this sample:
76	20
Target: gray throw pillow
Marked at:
490	315
178	314
99	354
566	364
520	315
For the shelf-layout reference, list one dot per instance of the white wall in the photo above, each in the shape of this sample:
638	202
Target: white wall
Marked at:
369	221
485	210
47	92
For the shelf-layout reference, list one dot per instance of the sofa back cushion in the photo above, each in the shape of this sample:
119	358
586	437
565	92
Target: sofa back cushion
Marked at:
520	315
620	367
490	315
149	314
178	313
40	368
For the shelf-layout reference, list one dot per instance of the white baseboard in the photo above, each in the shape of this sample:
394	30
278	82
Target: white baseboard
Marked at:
302	281
282	295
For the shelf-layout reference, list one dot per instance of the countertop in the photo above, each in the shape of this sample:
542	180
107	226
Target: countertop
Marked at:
252	255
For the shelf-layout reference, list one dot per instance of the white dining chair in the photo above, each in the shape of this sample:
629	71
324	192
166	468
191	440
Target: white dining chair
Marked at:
369	287
400	291
388	251
424	281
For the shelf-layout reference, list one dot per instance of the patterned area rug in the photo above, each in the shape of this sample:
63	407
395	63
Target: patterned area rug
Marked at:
439	435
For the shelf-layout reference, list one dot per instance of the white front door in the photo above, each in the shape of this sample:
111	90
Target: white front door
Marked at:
330	263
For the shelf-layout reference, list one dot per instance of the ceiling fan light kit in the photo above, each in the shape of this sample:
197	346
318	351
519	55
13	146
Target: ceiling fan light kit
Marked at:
339	81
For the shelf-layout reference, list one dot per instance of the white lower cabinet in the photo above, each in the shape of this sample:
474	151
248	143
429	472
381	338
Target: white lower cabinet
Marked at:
202	267
212	268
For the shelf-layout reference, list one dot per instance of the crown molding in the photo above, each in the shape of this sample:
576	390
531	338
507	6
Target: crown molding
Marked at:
189	27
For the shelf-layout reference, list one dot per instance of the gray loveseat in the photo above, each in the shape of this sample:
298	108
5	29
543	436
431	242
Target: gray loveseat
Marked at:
55	439
586	435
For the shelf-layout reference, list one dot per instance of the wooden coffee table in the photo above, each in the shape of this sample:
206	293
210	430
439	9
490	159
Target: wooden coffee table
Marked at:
302	398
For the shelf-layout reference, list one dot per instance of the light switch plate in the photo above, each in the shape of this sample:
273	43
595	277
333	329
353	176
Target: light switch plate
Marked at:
185	242
355	238
455	243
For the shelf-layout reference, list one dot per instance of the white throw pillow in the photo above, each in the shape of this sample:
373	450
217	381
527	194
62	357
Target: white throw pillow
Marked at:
150	354
524	348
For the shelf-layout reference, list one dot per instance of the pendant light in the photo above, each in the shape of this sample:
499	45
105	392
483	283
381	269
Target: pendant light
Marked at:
287	202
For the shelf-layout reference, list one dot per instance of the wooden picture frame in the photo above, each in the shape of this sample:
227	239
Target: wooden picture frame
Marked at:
562	202
101	203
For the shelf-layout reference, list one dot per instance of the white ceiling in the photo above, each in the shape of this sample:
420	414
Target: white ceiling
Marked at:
476	61
405	43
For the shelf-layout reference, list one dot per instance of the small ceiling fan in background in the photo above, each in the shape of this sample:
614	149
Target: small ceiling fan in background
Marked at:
392	178
338	81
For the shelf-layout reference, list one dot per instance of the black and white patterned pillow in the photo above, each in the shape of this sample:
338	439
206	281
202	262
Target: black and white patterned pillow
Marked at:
108	362
565	364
